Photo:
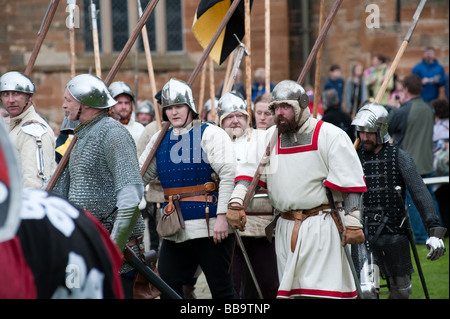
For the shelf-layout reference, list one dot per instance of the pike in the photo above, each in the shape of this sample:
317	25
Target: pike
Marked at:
397	58
406	225
94	28
45	25
112	73
72	4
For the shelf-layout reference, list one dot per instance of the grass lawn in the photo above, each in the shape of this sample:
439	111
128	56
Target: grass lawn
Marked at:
435	273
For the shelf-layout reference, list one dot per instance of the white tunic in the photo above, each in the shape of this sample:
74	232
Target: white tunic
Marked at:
295	178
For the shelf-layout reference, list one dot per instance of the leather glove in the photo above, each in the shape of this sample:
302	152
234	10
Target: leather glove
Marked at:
353	235
435	243
236	217
126	218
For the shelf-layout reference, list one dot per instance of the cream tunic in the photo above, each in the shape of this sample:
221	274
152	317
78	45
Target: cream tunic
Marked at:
27	148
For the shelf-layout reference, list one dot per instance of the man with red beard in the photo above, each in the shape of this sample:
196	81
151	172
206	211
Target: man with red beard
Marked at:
389	170
309	156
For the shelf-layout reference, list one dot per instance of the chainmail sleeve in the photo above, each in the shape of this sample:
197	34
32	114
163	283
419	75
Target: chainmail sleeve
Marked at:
418	190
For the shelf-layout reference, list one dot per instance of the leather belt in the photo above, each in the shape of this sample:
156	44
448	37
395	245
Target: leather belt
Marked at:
299	216
196	193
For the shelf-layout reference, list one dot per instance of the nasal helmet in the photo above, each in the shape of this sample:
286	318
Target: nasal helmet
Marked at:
373	118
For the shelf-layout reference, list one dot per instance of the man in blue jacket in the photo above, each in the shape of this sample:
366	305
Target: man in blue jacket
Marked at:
432	74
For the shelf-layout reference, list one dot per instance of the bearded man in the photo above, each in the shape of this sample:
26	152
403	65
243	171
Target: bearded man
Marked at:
309	156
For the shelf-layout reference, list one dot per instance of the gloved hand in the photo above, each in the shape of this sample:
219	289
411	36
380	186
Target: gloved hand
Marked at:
434	242
236	216
352	235
126	218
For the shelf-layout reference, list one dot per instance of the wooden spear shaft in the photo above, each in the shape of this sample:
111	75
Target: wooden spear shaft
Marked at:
150	70
41	36
248	61
318	62
397	58
115	68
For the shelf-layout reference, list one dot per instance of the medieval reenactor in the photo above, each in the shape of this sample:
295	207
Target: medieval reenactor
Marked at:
124	109
29	132
389	170
187	160
103	174
235	120
309	157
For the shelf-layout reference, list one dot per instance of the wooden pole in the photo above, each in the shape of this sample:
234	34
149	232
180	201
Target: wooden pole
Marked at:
267	44
137	30
41	35
201	99
212	89
318	62
319	41
248	61
150	70
95	43
397	58
72	37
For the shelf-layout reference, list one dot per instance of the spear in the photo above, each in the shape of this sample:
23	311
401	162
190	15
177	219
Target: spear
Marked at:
93	14
41	35
72	4
397	58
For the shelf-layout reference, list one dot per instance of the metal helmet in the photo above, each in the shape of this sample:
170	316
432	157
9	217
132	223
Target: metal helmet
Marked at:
373	118
176	92
91	91
146	107
119	87
230	102
287	91
16	81
208	105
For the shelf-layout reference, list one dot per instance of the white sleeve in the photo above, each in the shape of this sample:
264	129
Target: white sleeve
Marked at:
220	153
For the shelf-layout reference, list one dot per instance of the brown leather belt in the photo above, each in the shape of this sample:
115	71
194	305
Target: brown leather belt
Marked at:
299	216
196	193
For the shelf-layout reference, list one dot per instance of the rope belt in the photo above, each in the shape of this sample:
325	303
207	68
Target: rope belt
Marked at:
299	216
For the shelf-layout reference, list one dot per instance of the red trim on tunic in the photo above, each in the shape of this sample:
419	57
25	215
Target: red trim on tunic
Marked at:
303	148
357	189
316	293
250	179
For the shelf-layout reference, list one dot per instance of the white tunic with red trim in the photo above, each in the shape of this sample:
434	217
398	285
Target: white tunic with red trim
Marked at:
318	266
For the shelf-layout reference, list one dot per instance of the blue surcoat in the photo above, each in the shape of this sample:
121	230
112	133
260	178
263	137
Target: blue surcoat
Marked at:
182	162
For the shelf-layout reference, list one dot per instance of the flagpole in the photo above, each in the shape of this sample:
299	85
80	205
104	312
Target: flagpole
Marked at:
41	35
